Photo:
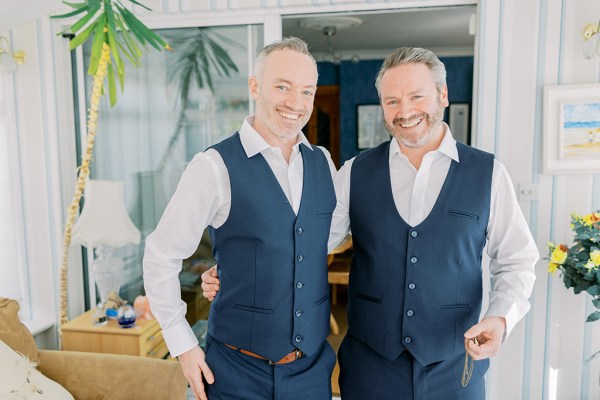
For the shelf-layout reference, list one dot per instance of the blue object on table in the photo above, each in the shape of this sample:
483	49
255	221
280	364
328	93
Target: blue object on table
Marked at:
200	328
126	316
111	313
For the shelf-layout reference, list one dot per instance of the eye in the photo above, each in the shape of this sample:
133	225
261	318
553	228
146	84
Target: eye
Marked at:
308	93
417	97
282	87
391	102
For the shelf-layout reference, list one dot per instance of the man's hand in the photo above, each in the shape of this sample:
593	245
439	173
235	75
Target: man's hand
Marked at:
210	283
194	366
489	332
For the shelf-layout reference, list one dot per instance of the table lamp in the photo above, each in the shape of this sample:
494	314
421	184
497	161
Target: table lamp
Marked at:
104	225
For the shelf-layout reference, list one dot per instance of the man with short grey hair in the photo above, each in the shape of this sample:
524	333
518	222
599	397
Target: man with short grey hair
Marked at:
267	197
422	207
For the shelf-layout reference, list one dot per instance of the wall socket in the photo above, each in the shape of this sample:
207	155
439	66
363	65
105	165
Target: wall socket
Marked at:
528	191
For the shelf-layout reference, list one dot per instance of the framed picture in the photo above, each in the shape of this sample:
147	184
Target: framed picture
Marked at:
458	121
371	129
572	129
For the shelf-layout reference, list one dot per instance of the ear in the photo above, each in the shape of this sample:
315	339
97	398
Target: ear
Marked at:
444	96
253	85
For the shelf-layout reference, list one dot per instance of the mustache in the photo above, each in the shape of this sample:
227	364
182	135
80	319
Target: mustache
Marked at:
397	120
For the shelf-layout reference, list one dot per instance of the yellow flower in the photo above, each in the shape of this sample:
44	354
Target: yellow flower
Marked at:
559	254
595	257
590	219
552	267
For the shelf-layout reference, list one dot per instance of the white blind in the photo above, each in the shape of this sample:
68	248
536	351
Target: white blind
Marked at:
10	268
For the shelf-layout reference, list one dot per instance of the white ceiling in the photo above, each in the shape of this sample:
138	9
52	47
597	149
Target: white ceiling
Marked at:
443	29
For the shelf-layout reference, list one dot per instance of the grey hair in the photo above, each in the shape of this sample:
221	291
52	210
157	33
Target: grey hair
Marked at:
290	43
413	55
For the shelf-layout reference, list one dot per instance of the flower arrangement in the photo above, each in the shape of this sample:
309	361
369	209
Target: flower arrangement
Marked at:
580	263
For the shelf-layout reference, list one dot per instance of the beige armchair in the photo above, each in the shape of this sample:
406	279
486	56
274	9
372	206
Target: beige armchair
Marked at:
93	375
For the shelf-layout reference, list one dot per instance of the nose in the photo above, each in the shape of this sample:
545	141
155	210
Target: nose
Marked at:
295	100
402	110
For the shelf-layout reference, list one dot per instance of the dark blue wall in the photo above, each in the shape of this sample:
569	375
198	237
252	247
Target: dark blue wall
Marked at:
357	86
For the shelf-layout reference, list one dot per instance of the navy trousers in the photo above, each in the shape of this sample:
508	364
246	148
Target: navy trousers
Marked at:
239	376
366	375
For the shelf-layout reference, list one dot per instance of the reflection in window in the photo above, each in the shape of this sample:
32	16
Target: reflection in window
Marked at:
175	105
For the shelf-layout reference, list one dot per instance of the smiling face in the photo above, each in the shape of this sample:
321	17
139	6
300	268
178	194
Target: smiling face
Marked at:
284	90
413	107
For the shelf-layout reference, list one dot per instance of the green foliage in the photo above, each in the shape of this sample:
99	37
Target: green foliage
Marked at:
110	22
580	263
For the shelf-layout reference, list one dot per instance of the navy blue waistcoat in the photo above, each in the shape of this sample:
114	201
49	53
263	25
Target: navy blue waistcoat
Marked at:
274	293
419	288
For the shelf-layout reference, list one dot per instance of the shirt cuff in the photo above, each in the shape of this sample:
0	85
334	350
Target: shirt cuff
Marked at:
508	311
180	338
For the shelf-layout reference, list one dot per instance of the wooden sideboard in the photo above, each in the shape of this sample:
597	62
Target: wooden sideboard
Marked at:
144	339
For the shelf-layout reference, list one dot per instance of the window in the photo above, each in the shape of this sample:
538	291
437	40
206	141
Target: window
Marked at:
147	139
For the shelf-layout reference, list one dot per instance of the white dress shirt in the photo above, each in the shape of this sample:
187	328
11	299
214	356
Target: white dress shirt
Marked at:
510	245
203	198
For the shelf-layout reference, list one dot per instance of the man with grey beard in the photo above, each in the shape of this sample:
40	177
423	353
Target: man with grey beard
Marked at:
421	208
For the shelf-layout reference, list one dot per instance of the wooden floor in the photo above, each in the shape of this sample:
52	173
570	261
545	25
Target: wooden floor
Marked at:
339	312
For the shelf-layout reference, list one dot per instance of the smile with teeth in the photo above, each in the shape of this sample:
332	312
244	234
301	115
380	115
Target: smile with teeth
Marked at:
410	124
289	115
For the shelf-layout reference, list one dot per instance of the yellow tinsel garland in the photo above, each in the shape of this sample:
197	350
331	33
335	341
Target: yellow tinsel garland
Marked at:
83	175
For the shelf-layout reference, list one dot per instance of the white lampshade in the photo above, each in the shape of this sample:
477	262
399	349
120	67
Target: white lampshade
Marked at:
104	219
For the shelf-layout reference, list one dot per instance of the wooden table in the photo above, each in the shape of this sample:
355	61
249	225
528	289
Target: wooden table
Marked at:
144	339
337	275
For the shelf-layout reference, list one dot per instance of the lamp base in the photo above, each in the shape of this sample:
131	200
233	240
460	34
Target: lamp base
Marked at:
108	271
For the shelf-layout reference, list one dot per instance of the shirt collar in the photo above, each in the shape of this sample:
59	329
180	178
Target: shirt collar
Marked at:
447	147
253	143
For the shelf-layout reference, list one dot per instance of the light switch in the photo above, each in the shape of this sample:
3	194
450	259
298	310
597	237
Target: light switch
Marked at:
528	191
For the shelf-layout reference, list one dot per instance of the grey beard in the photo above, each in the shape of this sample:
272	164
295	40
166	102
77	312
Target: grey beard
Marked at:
432	120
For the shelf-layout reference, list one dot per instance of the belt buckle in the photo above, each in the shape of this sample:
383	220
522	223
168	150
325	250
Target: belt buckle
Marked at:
298	354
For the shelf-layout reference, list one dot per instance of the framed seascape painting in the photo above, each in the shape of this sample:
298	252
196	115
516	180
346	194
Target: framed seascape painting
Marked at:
572	129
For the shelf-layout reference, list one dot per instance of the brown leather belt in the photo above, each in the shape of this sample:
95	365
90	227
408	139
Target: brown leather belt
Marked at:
293	356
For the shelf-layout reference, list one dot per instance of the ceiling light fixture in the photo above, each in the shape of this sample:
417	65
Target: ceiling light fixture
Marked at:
9	60
330	26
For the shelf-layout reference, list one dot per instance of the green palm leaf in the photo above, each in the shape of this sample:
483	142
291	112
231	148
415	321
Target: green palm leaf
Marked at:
108	21
200	55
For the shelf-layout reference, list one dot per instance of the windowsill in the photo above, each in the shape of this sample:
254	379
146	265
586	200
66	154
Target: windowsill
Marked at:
39	325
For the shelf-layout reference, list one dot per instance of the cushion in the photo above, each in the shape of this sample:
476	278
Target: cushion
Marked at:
21	380
13	332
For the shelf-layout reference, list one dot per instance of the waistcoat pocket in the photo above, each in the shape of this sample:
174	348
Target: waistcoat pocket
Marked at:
368	298
462	214
454	307
254	309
